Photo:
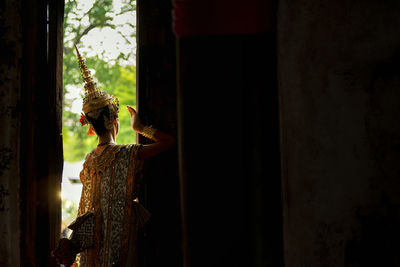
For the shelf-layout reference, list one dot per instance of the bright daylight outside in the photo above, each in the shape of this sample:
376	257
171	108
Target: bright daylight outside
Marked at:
104	32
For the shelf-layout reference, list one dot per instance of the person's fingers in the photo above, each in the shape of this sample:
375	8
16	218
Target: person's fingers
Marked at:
131	110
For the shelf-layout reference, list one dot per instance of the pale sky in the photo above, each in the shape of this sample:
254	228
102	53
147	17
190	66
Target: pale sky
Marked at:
106	42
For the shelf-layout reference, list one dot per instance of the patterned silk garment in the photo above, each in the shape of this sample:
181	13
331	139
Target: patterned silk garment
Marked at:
110	184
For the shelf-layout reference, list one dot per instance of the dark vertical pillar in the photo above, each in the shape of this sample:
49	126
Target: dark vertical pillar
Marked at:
55	98
156	85
10	83
262	152
33	203
229	150
228	132
41	144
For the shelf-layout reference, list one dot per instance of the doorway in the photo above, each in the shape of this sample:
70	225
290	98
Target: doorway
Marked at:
105	34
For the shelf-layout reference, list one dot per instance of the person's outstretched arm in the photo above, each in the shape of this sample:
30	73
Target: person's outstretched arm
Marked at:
162	141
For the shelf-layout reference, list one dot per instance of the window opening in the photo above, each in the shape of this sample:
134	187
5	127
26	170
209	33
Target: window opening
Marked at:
105	33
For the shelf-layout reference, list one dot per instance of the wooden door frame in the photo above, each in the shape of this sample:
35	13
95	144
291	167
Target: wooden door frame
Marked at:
156	101
41	127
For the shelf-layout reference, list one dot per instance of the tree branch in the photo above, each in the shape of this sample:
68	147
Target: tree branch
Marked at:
79	36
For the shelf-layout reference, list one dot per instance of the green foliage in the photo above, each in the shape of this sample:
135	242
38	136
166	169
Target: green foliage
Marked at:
115	78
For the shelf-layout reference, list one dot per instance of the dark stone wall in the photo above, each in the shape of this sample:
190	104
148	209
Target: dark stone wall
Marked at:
339	78
10	83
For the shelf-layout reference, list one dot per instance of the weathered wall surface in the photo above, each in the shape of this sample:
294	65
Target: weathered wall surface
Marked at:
10	83
339	89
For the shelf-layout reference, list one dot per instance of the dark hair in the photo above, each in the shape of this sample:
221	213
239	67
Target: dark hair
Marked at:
99	123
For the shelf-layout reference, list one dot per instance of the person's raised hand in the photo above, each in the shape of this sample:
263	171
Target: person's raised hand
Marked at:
136	124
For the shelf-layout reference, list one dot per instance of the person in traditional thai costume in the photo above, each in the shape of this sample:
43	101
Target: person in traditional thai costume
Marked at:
109	215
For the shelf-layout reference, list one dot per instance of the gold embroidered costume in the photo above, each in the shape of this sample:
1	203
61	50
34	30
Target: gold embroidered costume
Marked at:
110	183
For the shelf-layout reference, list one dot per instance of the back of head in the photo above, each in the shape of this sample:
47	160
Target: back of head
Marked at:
101	120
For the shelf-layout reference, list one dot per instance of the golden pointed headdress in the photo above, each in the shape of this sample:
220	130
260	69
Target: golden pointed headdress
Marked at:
94	98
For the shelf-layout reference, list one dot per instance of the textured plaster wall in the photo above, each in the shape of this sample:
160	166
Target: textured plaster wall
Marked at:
10	83
339	90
